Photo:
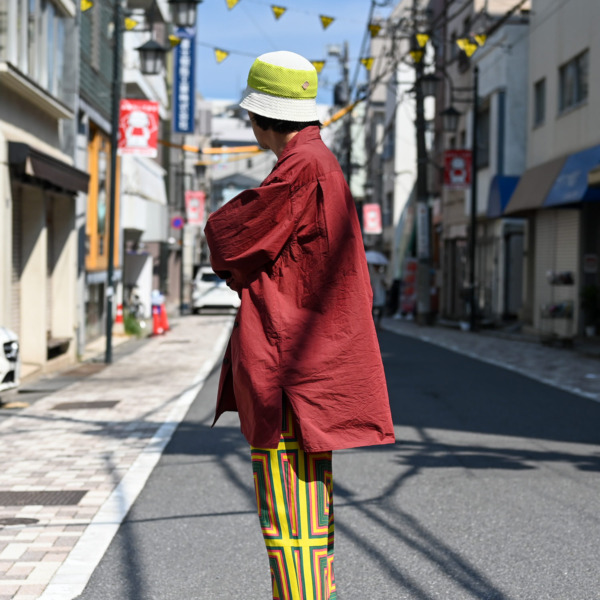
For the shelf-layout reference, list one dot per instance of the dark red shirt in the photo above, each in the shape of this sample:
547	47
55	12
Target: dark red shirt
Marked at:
293	249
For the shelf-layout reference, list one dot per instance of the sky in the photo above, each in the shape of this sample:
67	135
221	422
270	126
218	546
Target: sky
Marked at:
250	29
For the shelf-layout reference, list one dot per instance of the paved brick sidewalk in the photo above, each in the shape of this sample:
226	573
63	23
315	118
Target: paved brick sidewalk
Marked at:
85	465
561	367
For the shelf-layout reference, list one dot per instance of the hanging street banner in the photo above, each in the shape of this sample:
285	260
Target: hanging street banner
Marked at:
457	169
372	218
138	128
184	81
194	207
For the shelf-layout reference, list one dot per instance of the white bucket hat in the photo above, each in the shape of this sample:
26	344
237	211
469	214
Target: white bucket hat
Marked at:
282	85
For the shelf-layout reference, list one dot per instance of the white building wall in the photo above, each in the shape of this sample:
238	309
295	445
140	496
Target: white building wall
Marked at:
560	30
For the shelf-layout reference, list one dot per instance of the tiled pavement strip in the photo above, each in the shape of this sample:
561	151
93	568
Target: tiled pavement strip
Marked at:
111	452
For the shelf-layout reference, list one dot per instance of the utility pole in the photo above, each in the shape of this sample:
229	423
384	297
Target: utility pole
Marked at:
473	232
114	138
347	119
423	220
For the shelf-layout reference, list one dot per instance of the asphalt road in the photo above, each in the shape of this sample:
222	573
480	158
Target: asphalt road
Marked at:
491	492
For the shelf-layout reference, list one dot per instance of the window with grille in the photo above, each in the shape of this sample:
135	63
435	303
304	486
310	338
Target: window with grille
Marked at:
573	82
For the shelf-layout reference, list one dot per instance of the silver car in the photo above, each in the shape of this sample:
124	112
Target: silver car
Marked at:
209	291
10	362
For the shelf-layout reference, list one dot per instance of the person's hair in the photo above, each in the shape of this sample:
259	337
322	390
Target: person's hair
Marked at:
280	126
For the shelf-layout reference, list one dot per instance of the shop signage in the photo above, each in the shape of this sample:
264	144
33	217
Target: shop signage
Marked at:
372	219
194	207
184	81
422	230
457	169
138	128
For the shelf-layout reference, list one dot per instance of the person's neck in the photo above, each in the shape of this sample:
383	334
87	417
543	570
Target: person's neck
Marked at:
279	141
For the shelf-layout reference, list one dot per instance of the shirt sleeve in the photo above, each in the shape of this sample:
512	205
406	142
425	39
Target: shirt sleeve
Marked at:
250	232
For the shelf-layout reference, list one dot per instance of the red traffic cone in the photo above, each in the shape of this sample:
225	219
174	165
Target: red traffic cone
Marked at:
119	326
164	320
157	328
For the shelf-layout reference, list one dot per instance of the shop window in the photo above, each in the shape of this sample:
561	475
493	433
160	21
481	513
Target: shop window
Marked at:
573	82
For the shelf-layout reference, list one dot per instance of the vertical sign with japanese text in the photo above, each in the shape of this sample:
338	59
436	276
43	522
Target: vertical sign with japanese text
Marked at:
184	81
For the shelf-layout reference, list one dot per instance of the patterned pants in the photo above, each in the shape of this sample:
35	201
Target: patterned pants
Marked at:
294	495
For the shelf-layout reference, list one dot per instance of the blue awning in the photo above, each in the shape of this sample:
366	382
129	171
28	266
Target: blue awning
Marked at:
501	190
571	185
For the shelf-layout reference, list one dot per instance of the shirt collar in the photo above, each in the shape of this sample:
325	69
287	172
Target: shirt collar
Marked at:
305	135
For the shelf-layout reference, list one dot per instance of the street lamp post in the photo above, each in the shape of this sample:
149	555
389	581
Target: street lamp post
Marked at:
152	59
473	232
450	118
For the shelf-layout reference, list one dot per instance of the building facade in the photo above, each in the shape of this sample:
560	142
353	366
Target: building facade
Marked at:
557	194
39	181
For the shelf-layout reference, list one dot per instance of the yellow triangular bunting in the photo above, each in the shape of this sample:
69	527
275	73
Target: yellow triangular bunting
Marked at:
422	39
318	65
417	55
86	5
467	46
231	3
278	10
480	38
130	23
221	55
326	21
374	29
368	62
174	41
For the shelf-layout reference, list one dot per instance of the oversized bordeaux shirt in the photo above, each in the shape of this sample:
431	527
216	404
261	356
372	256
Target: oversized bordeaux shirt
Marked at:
293	249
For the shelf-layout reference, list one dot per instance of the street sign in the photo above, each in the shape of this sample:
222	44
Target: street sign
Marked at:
457	169
138	128
177	222
184	89
372	218
194	206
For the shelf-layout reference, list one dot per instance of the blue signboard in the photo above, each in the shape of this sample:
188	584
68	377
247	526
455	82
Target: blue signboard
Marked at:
184	84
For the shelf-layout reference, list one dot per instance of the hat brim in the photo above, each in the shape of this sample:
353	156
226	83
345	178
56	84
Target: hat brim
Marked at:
285	109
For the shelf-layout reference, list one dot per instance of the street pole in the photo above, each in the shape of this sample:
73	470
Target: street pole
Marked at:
473	232
348	119
423	229
114	138
182	239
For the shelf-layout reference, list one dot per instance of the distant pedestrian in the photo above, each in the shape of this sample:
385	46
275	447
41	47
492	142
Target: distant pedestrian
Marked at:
303	367
379	292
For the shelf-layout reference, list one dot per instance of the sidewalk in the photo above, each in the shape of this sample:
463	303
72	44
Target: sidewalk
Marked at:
76	459
569	369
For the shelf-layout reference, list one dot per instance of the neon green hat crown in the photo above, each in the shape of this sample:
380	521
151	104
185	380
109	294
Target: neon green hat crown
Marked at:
282	85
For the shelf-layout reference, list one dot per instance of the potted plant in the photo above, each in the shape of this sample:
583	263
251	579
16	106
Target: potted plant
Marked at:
590	304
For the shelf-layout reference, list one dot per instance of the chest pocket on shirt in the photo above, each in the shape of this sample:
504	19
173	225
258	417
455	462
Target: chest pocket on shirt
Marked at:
313	244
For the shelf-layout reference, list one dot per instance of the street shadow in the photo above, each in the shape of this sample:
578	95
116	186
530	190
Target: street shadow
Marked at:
434	388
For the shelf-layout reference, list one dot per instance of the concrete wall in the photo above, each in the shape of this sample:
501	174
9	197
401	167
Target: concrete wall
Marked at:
560	30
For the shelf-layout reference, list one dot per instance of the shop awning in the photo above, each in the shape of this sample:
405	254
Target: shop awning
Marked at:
502	188
571	185
29	161
533	187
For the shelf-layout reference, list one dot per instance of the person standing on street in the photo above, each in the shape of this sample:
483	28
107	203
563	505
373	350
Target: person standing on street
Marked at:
303	367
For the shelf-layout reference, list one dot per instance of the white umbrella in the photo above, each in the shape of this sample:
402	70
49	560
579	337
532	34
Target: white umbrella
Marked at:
376	258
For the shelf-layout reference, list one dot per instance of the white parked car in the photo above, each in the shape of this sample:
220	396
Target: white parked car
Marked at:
10	362
210	291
